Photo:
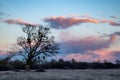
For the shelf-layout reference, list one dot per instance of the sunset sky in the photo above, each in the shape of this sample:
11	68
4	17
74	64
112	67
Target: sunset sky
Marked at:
87	30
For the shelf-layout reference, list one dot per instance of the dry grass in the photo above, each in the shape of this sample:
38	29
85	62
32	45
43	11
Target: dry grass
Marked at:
54	74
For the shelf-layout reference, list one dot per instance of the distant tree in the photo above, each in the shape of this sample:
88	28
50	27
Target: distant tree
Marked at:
105	61
5	63
36	45
74	63
17	64
117	61
60	63
53	63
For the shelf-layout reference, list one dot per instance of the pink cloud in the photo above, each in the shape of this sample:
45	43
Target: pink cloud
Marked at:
2	52
79	57
113	37
105	54
102	52
90	48
65	22
108	52
111	22
19	21
62	22
88	57
94	55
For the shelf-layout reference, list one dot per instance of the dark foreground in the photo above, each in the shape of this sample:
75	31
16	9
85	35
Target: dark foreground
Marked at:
54	74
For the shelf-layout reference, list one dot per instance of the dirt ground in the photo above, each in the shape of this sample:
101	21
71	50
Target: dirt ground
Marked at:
54	74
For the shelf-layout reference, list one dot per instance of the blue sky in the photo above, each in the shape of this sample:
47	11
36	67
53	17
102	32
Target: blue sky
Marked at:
42	8
43	11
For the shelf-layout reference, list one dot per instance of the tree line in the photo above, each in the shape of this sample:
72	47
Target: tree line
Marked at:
73	64
58	64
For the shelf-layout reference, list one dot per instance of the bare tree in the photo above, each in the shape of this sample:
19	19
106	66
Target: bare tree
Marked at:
37	44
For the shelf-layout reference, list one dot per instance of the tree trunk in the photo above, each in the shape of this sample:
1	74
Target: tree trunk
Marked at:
28	64
27	67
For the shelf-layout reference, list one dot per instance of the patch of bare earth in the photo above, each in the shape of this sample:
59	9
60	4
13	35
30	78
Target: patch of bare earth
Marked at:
54	74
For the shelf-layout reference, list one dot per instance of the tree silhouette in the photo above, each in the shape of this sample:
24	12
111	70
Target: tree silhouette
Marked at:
36	45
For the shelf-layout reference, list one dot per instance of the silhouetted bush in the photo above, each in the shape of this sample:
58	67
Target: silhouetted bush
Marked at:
40	70
18	64
4	65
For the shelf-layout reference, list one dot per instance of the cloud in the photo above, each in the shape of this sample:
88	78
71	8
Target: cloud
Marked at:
104	52
2	52
114	23
109	53
83	45
19	21
116	17
66	35
113	37
80	57
72	43
65	22
62	22
90	48
87	57
117	33
111	22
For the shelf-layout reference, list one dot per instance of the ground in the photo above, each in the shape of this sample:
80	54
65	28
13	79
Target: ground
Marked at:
54	74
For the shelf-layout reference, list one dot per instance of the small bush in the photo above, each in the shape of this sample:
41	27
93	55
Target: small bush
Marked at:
40	70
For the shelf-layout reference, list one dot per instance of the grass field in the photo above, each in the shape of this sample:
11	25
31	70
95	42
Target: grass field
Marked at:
54	74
